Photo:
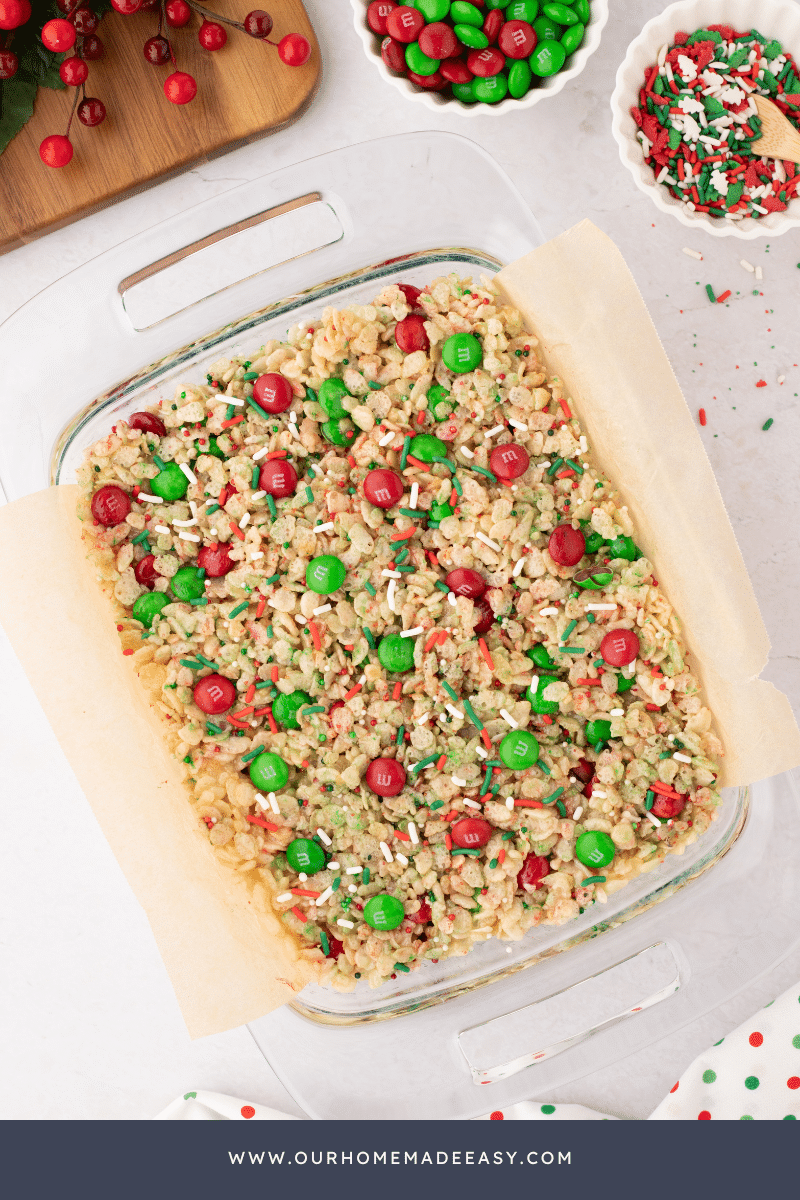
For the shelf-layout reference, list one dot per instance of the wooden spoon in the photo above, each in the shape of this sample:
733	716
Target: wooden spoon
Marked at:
779	138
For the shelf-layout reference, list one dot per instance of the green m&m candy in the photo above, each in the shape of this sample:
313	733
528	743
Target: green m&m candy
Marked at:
547	59
213	448
269	772
396	653
522	10
463	92
384	912
286	707
468	35
582	10
594	541
433	10
188	583
330	397
519	749
561	13
594	848
170	484
465	14
440	511
593	578
598	730
547	30
488	90
463	352
338	431
439	402
624	684
572	38
623	547
426	447
303	854
419	62
541	657
519	78
534	694
325	574
148	606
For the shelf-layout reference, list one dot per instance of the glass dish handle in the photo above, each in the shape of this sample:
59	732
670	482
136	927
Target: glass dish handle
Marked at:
505	1045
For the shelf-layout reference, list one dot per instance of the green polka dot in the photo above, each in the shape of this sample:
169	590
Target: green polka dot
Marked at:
190	1096
719	1043
548	1108
745	1118
751	1083
790	1117
796	1041
709	1076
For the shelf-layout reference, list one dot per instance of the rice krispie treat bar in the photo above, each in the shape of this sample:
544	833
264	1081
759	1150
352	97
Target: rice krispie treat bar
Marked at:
425	686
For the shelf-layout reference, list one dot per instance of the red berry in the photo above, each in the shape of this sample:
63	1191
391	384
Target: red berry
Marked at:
14	13
509	461
294	50
180	87
405	23
9	64
431	83
385	777
258	23
471	833
92	48
411	293
335	947
177	13
455	70
212	36
215	560
423	915
377	12
73	71
156	51
67	6
583	770
492	24
59	35
145	571
466	582
486	619
214	694
517	39
667	807
85	20
486	62
278	477
126	7
393	55
273	392
146	421
110	505
56	150
439	41
534	869
620	647
567	546
149	5
410	334
383	487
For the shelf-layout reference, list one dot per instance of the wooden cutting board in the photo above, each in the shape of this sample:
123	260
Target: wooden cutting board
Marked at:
244	92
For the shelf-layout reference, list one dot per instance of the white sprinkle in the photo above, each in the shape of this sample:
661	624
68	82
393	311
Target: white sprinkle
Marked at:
454	711
387	437
387	574
322	528
548	612
162	529
322	608
781	378
256	554
315	468
324	897
323	835
518	565
351	887
576	816
693	253
507	717
412	502
188	472
472	804
421	720
617	712
465	450
401	858
451	599
362	680
150	499
510	803
390	595
600	607
292	417
584	445
345	924
227	399
412	833
518	425
682	757
258	495
213	533
300	619
488	542
334	866
602	795
353	870
185	524
387	854
662	175
189	537
260	453
480	750
302	877
747	266
491	432
650	817
759	272
458	782
412	632
245	520
284	896
273	803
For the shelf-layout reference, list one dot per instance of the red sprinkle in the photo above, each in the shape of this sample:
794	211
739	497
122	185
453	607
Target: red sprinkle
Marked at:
402	535
501	857
528	804
588	683
420	417
304	892
565	410
702	416
233	421
721	299
485	652
440	763
448	841
251	691
301	916
236	531
761	383
653	707
397	691
260	608
127	652
260	821
276	454
487	741
415	462
316	639
432	640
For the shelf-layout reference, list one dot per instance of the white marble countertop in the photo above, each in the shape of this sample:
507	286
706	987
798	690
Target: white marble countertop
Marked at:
92	1027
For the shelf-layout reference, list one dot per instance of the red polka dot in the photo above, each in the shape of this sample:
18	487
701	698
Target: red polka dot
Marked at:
756	1039
705	1115
248	1112
498	1116
793	1083
674	1089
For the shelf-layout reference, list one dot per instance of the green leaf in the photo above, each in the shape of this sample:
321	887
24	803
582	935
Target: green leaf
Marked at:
18	97
41	67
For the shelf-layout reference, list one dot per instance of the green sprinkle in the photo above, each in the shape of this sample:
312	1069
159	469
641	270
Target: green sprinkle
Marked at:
436	804
398	737
457	486
253	753
206	662
446	462
370	589
572	649
485	784
402	556
424	762
262	683
193	666
365	876
212	728
568	630
575	466
404	453
257	408
199	601
710	293
188	759
666	754
507	837
323	937
461	850
368	634
337	883
442	586
211	508
591	618
402	967
405	570
159	462
250	375
376	387
560	806
649	800
229	411
269	634
767	424
272	579
314	708
472	714
451	693
309	495
271	506
544	767
483	471
551	470
553	796
593	879
141	537
254	478
493	863
239	608
412	512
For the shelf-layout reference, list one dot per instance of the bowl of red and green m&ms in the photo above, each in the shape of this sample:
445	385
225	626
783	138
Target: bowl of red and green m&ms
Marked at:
479	56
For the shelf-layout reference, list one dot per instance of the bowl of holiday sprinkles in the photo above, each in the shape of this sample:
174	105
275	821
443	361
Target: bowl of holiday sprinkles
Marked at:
482	58
685	116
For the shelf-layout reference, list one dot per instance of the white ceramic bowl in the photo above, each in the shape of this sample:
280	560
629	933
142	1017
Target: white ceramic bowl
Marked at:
774	18
548	87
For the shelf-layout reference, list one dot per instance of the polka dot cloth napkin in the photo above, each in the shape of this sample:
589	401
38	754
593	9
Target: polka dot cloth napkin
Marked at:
753	1074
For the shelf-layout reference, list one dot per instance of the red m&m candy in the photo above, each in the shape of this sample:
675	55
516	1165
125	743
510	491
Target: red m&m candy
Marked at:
423	915
215	560
667	807
278	477
393	54
410	334
273	392
148	423
509	461
486	618
492	24
383	488
567	546
534	869
486	62
471	833
438	40
411	293
455	70
466	582
110	505
385	777
433	83
335	947
377	13
214	694
145	571
583	770
405	23
517	39
620	647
